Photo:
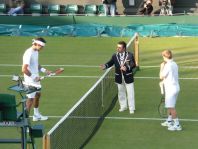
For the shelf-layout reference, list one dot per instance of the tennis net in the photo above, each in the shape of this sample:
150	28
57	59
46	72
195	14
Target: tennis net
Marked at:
78	126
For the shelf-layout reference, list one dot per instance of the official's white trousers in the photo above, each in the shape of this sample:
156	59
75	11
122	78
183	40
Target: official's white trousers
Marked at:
126	95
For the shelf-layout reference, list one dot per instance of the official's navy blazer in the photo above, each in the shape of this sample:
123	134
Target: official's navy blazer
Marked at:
129	63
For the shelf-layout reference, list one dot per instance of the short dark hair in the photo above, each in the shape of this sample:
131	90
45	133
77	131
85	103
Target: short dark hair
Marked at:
41	39
123	43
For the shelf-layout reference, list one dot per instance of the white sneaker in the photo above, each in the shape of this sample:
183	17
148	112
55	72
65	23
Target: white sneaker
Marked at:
131	111
39	117
175	127
166	124
122	109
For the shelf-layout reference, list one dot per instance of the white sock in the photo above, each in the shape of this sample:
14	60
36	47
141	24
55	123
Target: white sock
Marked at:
169	119
36	111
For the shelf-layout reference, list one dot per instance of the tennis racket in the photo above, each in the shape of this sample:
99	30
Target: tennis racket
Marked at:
54	73
161	107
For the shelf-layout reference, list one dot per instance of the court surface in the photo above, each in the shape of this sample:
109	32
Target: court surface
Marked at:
81	57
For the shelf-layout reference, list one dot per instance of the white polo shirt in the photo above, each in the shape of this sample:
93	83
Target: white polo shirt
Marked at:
30	58
170	72
171	83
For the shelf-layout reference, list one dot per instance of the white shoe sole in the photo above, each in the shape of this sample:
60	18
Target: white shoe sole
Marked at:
174	129
131	112
122	109
39	119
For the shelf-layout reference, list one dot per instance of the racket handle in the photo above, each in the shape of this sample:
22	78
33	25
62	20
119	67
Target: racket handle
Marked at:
49	75
52	74
161	84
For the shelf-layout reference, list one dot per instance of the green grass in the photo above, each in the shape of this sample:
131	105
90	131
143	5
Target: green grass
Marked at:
60	94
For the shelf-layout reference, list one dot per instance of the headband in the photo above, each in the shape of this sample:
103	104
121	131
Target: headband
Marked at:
38	42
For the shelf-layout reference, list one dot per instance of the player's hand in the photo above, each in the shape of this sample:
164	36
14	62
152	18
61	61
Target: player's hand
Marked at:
48	72
162	65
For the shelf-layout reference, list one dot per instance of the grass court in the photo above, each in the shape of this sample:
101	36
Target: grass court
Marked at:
81	57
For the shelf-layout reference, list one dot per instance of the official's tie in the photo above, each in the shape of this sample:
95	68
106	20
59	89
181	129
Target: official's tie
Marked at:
121	58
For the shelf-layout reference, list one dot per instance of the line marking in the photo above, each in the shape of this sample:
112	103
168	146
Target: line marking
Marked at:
158	78
126	118
4	76
88	66
151	119
64	65
190	67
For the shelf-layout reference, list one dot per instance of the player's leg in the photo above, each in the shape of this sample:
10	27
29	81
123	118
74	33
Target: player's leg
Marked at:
36	99
169	119
36	103
37	115
131	97
122	97
176	125
29	103
169	102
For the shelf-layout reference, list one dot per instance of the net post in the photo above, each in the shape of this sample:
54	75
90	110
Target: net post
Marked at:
46	141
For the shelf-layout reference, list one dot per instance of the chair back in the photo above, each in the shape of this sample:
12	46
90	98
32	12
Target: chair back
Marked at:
71	9
2	8
8	109
90	9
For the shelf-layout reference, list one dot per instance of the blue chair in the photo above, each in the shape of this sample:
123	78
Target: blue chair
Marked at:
71	9
54	9
36	9
90	9
101	10
2	8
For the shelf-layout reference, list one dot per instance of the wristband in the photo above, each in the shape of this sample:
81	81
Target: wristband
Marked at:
43	70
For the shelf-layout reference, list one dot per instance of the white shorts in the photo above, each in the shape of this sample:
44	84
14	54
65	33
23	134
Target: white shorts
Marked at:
31	95
171	95
30	82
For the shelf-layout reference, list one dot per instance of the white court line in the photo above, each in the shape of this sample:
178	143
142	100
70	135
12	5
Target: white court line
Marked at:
126	118
190	67
82	66
158	78
149	119
88	66
4	76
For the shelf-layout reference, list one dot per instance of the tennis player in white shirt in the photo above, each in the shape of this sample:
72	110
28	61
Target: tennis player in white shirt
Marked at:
31	69
169	76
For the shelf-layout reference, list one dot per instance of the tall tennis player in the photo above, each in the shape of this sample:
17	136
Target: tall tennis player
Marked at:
31	69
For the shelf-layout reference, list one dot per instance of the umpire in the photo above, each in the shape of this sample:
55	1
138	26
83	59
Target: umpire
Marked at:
124	63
